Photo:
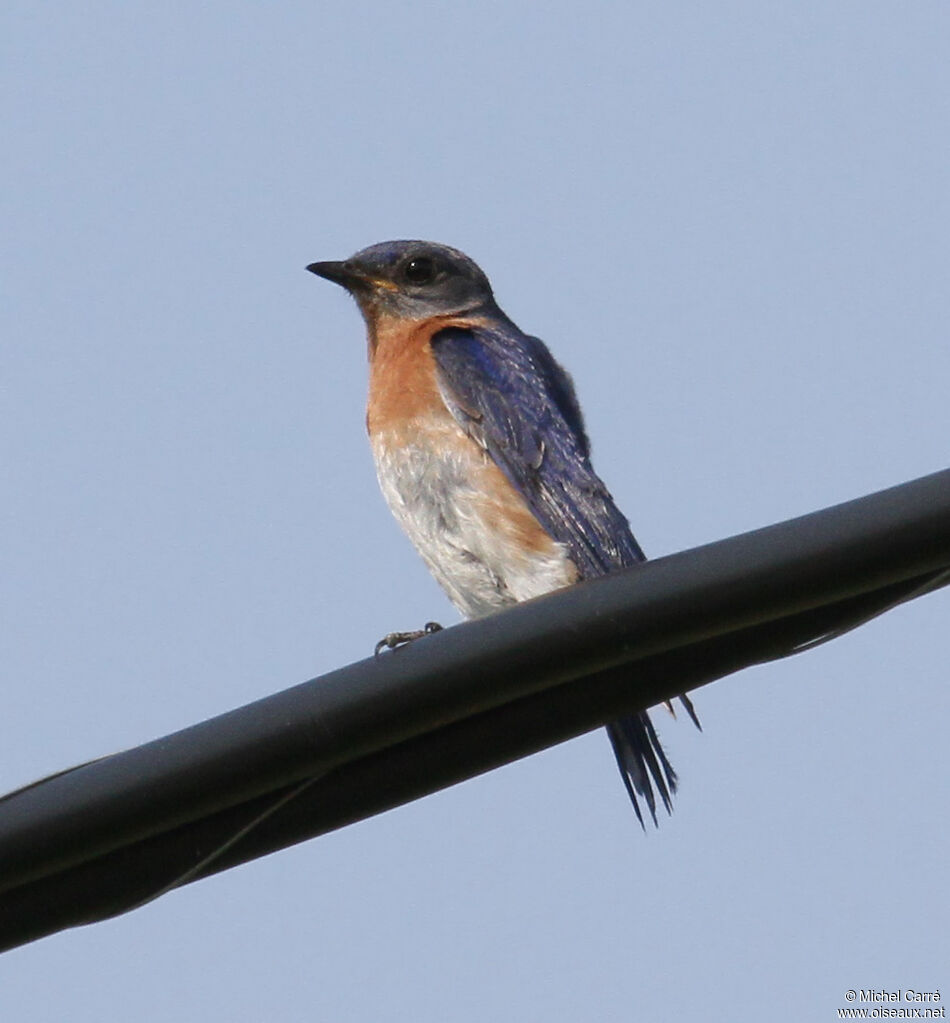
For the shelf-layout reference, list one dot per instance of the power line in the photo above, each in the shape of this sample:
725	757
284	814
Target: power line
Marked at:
100	839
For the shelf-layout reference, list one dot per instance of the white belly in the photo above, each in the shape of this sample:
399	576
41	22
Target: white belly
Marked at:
461	529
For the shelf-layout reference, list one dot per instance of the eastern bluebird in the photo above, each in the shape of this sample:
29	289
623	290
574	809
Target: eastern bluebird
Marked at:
482	456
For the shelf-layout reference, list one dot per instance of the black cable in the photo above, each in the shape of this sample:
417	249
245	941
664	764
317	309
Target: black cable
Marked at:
97	840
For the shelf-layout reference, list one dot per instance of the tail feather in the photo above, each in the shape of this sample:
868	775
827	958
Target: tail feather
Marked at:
644	766
691	710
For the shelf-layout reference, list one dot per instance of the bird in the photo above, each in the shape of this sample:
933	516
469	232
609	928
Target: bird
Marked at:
483	457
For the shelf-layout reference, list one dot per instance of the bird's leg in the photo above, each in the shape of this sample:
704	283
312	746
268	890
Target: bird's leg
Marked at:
393	639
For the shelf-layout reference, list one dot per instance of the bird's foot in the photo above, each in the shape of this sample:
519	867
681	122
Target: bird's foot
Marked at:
394	639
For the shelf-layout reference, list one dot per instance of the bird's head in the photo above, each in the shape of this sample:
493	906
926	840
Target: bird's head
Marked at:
410	280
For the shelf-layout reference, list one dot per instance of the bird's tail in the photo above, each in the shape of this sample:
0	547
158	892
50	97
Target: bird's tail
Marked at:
644	767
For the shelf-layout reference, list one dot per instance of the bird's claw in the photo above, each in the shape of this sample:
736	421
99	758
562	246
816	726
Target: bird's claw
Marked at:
395	639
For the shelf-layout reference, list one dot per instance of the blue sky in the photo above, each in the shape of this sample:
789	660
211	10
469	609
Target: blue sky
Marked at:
729	221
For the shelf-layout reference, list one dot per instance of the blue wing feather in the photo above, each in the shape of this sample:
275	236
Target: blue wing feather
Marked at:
509	394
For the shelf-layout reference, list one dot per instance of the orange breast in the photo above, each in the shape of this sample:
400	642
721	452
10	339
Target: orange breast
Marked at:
402	382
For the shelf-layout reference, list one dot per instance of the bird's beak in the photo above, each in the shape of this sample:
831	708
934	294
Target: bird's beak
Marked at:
351	276
337	272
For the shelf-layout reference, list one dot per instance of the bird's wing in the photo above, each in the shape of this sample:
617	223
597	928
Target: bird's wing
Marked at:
510	396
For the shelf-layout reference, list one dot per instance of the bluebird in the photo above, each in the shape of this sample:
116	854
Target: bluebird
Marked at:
482	455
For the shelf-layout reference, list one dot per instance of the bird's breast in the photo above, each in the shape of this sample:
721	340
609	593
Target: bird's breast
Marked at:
474	530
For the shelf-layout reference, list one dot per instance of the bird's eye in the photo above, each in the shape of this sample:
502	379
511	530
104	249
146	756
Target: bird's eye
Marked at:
421	270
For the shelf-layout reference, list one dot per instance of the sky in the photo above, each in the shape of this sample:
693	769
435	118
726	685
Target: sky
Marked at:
729	221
